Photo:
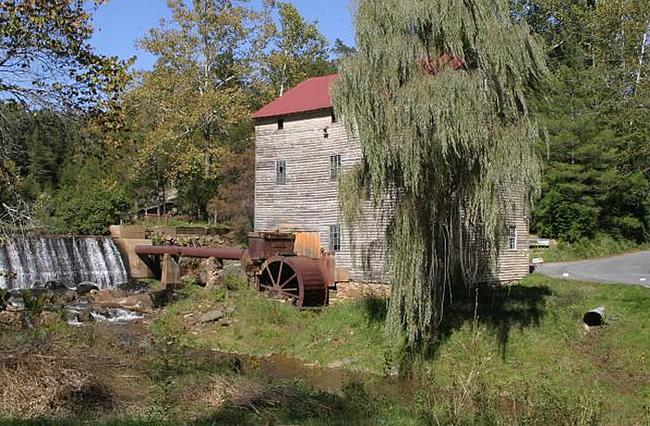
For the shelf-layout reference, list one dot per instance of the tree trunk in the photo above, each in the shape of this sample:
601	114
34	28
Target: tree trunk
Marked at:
644	43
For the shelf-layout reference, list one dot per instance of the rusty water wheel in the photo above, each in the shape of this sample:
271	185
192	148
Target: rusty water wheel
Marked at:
297	279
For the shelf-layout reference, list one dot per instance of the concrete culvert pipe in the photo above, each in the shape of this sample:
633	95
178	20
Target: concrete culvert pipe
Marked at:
595	317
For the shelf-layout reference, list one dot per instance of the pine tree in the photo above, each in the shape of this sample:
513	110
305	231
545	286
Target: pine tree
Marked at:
437	95
597	172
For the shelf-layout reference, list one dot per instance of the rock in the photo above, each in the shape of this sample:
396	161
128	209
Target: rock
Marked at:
15	303
211	316
143	303
119	299
47	318
55	286
85	288
11	319
99	297
62	297
210	273
161	298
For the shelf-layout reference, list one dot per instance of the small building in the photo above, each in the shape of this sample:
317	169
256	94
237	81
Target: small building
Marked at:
301	149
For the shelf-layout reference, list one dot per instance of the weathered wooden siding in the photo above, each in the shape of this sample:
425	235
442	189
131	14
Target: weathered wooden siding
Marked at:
513	265
308	201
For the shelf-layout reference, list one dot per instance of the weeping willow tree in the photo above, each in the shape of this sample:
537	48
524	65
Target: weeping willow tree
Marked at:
437	97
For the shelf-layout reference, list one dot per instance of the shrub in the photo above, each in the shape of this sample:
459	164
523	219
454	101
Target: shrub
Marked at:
88	210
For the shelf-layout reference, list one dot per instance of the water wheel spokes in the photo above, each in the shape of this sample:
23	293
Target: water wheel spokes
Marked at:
278	279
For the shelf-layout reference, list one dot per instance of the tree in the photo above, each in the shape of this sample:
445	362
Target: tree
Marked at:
46	62
342	50
596	177
89	200
45	56
184	112
437	95
297	50
234	202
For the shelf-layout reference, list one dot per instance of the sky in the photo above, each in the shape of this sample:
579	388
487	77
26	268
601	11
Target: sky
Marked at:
119	23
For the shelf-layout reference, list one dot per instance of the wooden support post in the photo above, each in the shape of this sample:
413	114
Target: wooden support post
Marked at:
171	272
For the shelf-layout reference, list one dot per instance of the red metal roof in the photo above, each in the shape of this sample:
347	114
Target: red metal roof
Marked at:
310	95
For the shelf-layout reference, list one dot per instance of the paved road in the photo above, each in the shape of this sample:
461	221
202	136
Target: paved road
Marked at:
626	269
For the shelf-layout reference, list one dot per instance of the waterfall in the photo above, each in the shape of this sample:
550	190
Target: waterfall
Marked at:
26	261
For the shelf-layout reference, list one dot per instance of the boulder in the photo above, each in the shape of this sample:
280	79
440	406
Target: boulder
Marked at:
143	303
85	288
210	273
109	296
15	303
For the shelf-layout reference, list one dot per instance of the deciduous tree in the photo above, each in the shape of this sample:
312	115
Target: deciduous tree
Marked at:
185	110
46	61
437	95
298	50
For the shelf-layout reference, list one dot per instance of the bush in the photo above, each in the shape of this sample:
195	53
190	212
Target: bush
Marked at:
87	202
88	210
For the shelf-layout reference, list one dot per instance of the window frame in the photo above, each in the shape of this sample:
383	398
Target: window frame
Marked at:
512	237
335	167
280	123
335	238
280	172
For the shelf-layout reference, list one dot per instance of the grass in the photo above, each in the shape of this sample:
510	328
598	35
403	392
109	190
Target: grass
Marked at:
524	359
601	246
258	326
150	223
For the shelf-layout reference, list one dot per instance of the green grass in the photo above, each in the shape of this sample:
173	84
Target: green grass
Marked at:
527	358
524	359
258	326
171	222
601	246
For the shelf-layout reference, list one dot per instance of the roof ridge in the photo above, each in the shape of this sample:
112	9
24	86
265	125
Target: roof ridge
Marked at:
309	95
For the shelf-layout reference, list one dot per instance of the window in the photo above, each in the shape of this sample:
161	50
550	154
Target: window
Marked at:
281	172
280	124
512	237
335	238
333	117
335	165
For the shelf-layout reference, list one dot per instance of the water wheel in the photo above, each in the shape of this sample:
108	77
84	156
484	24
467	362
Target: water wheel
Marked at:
297	279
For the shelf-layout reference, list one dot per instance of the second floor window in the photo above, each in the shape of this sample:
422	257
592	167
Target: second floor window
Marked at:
335	165
281	172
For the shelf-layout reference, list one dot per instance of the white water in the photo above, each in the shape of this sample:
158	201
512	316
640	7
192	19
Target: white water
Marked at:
26	261
117	315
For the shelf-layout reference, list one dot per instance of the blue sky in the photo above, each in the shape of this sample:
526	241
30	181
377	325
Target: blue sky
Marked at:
121	22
